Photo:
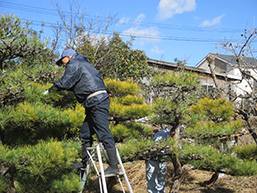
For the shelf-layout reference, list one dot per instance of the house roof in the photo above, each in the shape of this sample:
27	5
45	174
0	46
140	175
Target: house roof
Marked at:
172	66
232	59
169	65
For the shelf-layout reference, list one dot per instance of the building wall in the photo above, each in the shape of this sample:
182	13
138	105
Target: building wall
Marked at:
220	66
204	66
207	81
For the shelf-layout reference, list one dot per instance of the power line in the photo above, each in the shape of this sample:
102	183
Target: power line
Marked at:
129	22
39	10
28	8
138	35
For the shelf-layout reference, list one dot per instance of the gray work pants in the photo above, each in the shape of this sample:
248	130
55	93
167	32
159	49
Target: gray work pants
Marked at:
155	176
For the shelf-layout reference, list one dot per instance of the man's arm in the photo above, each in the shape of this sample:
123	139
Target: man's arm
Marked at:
71	76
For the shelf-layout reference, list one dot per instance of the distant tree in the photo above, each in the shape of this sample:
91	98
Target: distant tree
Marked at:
111	56
115	58
244	53
76	24
17	41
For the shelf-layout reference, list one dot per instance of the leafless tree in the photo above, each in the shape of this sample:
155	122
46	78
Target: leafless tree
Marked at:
77	26
246	63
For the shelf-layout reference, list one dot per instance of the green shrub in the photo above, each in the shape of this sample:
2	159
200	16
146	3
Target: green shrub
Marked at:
43	167
29	123
247	152
4	185
68	183
130	130
121	88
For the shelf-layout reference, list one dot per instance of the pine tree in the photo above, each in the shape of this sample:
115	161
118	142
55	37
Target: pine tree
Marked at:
210	123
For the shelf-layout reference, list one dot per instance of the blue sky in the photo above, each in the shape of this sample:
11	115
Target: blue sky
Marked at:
164	29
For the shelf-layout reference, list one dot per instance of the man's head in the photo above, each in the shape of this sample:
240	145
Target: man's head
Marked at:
66	56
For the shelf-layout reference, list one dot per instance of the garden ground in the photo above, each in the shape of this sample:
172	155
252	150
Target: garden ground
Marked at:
192	181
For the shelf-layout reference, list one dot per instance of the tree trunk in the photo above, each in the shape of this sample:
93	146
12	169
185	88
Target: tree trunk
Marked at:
248	121
210	60
1	65
213	179
178	174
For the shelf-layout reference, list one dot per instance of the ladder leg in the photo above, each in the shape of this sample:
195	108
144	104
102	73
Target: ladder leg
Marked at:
121	184
83	176
101	175
84	172
92	161
123	170
101	168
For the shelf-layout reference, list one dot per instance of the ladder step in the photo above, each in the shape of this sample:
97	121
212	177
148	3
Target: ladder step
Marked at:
102	180
111	175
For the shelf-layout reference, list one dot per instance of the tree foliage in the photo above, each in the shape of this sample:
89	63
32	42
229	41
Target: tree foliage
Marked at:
210	124
29	121
40	168
32	161
175	92
17	40
115	58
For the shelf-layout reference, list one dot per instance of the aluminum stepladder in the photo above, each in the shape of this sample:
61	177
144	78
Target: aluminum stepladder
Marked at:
91	151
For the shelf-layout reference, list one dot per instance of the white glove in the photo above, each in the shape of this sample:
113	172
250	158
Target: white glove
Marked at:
45	92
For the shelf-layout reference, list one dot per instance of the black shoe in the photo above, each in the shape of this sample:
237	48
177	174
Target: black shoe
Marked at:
112	170
78	165
83	163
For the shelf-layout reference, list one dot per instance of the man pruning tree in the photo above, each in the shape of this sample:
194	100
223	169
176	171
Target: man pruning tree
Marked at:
85	81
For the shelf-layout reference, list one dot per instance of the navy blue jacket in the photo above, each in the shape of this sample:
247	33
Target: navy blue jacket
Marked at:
83	79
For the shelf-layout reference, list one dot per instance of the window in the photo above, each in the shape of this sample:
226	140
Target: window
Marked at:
208	87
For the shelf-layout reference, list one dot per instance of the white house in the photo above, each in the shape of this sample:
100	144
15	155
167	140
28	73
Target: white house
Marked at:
223	80
228	65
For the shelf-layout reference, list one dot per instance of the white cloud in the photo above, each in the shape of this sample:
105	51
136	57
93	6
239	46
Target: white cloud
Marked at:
123	21
156	50
140	18
168	8
150	34
212	22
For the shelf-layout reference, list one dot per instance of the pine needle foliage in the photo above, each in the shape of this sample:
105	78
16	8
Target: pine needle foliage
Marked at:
126	106
208	128
248	152
130	130
218	110
133	111
121	88
175	92
43	167
132	147
76	116
31	122
213	118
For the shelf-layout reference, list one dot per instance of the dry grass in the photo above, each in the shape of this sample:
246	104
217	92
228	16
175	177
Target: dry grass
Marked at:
191	184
